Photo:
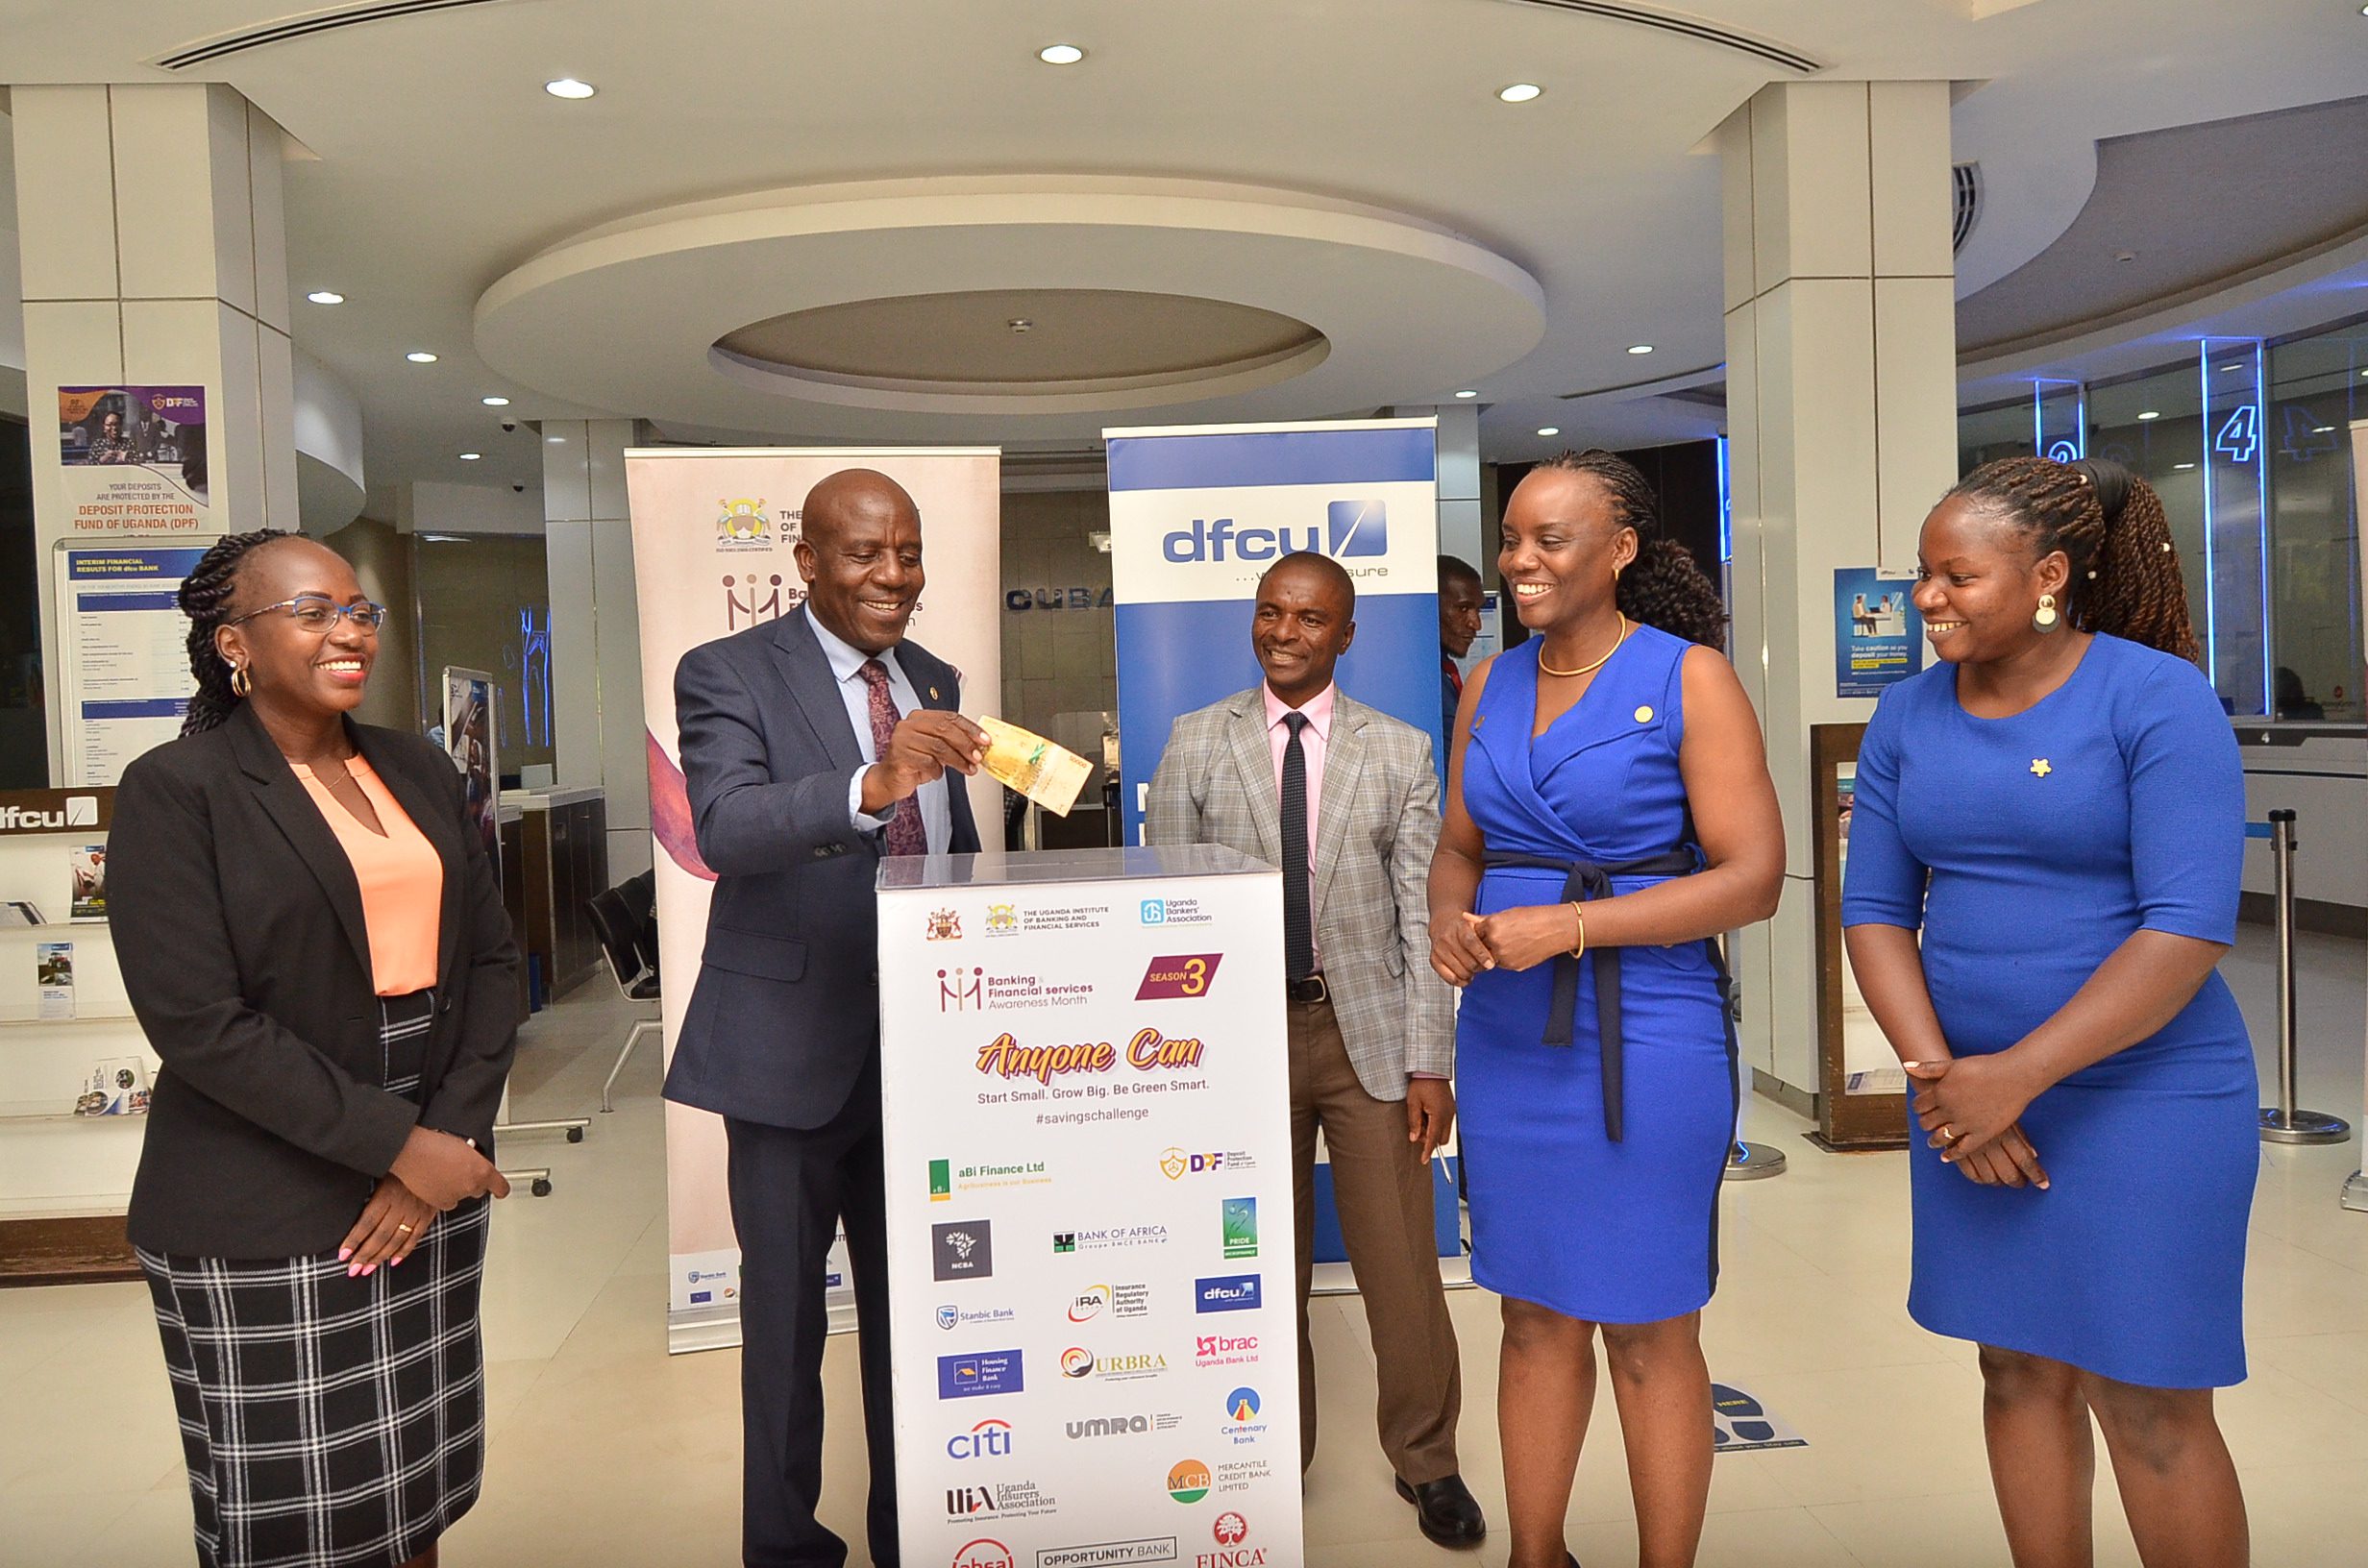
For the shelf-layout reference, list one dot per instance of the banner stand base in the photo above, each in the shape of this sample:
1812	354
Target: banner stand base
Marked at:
1339	1280
718	1328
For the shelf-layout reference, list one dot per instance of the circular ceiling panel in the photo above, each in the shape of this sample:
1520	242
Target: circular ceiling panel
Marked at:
882	310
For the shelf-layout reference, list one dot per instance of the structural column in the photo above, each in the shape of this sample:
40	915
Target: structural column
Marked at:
1841	404
597	728
154	255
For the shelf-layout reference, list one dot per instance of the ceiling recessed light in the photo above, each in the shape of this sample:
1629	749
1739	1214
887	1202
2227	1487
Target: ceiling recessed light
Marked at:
567	86
2229	369
324	296
1468	392
495	403
2151	413
1549	429
1519	92
471	456
420	356
1060	54
1639	348
2182	465
2322	430
1020	324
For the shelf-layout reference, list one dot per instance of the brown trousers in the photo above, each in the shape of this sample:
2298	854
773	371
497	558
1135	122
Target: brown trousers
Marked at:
1382	1189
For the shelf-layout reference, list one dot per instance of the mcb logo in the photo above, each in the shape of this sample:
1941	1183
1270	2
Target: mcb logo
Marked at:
1350	528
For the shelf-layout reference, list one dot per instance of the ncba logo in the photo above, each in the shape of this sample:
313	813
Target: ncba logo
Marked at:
984	1554
987	1441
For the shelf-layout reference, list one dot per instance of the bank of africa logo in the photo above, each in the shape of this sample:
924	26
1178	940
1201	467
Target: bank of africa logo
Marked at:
1064	1241
1002	918
960	990
1089	1304
1243	1405
1189	1481
1356	528
743	524
1230	1529
1076	1361
945	926
984	1554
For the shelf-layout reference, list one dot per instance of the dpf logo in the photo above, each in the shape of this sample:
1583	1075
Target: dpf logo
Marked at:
1356	528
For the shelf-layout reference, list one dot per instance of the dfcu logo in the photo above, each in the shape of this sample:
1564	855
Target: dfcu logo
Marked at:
80	811
1351	528
988	1440
1228	1293
1356	528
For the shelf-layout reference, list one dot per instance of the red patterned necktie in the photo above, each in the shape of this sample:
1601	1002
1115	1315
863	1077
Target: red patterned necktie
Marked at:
907	836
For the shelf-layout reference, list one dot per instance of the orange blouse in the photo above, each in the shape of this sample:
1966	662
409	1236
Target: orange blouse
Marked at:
401	881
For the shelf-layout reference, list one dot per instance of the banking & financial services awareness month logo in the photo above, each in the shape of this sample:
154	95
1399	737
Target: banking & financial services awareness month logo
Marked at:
1188	1481
961	990
1177	977
1241	1227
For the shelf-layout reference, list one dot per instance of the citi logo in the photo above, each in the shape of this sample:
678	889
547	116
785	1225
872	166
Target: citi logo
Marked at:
1350	528
80	811
987	1441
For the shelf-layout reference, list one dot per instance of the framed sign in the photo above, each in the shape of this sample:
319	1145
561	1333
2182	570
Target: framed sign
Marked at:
1861	1089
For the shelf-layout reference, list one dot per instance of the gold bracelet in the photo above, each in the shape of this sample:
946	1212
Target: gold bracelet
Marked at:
1579	914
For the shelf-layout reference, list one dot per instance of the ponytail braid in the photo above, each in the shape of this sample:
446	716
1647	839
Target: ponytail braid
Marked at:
1665	586
206	596
2109	523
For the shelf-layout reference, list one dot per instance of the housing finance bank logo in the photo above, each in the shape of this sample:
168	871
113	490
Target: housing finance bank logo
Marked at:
975	1377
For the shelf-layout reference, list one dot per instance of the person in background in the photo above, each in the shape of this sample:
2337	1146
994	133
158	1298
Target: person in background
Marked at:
314	943
2056	809
1461	596
2290	700
1344	798
812	746
1609	815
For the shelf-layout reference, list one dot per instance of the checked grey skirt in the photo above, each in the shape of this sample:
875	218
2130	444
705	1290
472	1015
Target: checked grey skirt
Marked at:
329	1422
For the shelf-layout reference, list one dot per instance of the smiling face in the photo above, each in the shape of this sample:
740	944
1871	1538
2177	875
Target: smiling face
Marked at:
1560	551
293	669
859	553
1302	623
1977	586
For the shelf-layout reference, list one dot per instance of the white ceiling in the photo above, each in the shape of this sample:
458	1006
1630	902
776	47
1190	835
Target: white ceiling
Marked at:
441	167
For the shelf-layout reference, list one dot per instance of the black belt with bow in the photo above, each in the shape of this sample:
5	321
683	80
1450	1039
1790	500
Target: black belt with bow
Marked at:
1583	880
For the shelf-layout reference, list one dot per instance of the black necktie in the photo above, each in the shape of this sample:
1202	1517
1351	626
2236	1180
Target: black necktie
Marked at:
1298	929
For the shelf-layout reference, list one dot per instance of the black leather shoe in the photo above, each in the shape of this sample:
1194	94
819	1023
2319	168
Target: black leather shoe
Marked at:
1446	1512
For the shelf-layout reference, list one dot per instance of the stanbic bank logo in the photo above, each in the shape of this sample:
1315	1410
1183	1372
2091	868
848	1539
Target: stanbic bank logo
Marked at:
1350	528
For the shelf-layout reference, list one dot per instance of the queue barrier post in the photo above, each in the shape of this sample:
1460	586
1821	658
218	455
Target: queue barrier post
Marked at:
2284	1122
1747	1161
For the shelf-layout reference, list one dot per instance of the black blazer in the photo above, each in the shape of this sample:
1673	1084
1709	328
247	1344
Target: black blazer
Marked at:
787	1010
238	926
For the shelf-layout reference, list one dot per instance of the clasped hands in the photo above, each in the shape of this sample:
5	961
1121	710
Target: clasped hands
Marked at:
434	1173
1970	1107
1520	938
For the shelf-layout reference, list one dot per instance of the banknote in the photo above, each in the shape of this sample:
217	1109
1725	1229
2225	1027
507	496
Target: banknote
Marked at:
1048	775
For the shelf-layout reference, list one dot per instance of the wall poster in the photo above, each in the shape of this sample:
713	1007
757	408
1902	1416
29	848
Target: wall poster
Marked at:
134	459
123	676
1878	636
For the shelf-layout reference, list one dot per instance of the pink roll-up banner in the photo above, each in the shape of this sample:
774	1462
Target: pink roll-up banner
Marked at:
714	531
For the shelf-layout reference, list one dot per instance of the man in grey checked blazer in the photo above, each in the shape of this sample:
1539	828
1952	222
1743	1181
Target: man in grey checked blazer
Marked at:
1371	1030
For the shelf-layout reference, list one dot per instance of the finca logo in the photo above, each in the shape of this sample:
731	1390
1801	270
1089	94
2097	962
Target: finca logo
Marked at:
1232	1529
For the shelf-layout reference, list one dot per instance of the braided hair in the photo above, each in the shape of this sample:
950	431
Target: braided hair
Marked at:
1665	586
2110	526
206	600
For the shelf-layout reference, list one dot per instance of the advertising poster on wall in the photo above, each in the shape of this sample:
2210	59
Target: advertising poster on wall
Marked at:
124	677
134	459
1878	636
1090	1223
714	536
470	701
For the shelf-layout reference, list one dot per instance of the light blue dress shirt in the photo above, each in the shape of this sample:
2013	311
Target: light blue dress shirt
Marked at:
846	664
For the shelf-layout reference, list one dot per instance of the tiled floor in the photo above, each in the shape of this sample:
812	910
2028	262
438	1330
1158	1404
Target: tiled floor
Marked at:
606	1450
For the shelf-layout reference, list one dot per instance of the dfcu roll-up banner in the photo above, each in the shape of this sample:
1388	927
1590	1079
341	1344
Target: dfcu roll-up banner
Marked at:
1197	514
713	531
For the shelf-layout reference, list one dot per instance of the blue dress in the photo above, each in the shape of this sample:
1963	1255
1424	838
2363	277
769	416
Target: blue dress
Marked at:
1563	1214
2114	804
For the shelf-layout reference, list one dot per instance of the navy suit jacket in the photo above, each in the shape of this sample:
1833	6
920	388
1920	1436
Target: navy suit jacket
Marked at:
786	1012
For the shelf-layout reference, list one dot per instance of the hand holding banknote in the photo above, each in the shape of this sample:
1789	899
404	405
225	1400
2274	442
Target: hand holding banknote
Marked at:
924	744
1048	775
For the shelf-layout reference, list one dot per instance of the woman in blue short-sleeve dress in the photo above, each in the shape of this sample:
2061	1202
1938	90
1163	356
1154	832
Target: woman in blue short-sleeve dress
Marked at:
2056	806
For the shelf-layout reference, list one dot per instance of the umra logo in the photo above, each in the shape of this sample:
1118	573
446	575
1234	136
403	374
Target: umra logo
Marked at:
959	990
748	602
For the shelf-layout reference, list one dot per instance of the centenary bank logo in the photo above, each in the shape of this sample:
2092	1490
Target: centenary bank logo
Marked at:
743	525
1242	1406
1155	911
959	990
1003	919
1356	528
1186	975
1227	1293
945	926
989	1439
1241	1227
1188	1481
973	1377
984	1554
965	1249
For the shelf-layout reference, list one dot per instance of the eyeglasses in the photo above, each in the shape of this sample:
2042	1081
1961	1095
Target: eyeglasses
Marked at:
320	616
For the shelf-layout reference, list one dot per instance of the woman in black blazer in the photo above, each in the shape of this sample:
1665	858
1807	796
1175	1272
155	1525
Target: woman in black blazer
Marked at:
315	947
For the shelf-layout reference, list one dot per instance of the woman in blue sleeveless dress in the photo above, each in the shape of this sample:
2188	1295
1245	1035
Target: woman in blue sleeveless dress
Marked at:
1608	813
2058	806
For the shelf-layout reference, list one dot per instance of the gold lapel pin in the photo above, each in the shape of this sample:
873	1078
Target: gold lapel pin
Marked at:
1644	714
2041	766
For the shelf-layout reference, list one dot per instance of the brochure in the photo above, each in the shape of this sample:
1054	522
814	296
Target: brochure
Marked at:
89	882
54	974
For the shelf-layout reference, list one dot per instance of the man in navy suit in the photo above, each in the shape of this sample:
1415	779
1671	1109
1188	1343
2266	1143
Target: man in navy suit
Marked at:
811	747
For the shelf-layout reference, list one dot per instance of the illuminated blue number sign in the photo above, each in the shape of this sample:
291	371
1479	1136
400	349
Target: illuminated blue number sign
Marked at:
2241	435
2305	436
2064	452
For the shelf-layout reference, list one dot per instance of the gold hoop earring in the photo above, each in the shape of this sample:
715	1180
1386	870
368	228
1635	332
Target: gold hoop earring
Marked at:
241	683
2045	619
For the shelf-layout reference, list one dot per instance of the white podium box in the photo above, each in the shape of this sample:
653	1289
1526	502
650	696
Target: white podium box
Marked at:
1090	1231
